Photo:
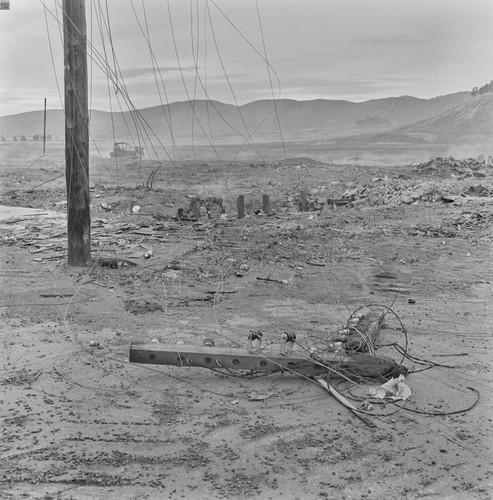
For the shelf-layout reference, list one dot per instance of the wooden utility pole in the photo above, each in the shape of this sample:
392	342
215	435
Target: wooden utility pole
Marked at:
76	133
44	130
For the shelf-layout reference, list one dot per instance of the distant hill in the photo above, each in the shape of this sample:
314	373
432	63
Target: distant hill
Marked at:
371	121
300	120
469	123
472	118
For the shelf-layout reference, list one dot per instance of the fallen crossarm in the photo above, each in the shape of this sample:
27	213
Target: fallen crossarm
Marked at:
267	360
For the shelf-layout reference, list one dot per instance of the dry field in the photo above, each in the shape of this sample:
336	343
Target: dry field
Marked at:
79	421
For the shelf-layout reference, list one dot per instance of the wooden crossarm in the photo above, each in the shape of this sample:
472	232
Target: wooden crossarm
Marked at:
268	360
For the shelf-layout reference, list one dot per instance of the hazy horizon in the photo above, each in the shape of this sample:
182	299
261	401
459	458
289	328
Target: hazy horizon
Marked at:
354	50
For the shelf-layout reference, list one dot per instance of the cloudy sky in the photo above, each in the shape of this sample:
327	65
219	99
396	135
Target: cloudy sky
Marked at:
159	51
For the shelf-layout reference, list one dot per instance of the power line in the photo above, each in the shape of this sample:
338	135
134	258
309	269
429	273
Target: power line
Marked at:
183	80
156	69
228	80
270	78
114	75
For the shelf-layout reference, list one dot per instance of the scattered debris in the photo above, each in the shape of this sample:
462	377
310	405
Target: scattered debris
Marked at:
113	263
313	263
395	389
273	280
260	397
57	294
366	405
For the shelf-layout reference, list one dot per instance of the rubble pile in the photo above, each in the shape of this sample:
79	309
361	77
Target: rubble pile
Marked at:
456	225
468	167
209	208
381	192
396	191
309	200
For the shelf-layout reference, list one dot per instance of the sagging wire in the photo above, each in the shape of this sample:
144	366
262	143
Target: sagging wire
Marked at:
442	413
45	10
431	364
195	57
405	405
251	143
270	69
61	33
192	105
103	42
29	167
348	391
419	420
155	66
46	182
270	79
142	127
207	101
104	24
417	360
115	77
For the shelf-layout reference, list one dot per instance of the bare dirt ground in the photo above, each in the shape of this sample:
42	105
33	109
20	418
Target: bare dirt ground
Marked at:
79	421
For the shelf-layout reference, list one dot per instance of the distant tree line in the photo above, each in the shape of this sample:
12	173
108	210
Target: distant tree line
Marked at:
483	90
37	137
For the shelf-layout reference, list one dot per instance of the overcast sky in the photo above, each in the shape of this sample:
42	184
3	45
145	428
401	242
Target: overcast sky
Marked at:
333	49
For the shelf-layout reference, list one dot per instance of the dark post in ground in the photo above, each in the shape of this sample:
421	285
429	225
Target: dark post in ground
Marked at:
196	209
266	204
303	201
76	133
241	206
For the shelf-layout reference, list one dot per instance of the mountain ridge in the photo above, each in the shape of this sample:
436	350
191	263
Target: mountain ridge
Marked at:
315	119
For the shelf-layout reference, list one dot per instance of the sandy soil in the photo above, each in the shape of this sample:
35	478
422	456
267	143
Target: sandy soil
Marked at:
79	421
